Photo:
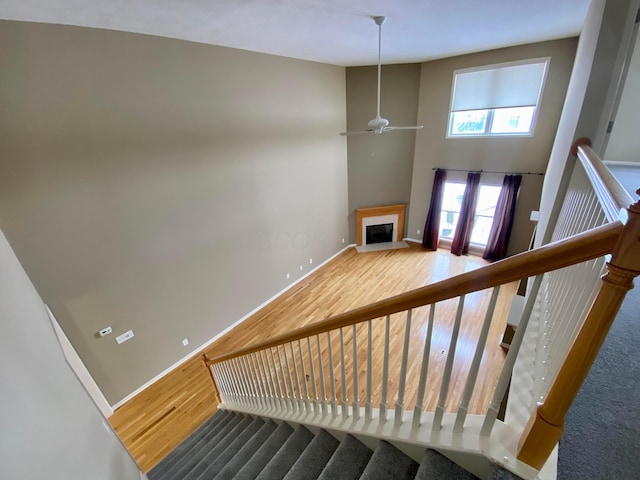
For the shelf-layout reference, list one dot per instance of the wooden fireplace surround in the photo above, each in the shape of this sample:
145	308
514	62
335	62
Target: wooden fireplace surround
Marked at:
379	211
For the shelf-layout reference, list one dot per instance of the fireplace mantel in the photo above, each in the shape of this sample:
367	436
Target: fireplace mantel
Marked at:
362	213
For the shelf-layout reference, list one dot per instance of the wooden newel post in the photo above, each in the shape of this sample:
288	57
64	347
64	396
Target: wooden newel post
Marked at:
547	422
207	364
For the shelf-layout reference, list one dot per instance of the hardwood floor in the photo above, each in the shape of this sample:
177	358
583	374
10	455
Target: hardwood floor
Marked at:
158	419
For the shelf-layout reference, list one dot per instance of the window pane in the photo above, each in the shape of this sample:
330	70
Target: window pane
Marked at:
451	203
512	120
485	210
471	122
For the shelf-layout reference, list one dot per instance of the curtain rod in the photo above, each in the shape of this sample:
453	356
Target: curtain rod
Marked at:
486	171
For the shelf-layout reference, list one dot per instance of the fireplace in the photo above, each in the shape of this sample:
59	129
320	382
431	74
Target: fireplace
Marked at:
379	224
379	233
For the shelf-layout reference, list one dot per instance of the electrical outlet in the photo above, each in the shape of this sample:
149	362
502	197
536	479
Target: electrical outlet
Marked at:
105	331
310	261
343	240
301	267
185	342
418	232
288	276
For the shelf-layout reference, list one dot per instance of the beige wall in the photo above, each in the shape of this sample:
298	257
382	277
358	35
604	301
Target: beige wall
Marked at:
163	186
513	154
380	166
50	427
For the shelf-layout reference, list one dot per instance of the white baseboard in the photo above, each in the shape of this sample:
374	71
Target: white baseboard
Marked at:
412	240
223	332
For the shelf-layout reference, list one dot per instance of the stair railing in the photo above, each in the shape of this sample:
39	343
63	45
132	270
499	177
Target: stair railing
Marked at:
544	427
318	371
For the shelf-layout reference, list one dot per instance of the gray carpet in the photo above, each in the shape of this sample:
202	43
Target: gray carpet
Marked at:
602	430
243	447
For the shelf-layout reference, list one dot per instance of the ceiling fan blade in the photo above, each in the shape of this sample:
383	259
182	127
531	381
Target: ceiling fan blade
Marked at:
414	127
346	134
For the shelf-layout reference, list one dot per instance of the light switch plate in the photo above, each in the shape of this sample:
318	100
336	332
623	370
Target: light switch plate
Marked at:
124	337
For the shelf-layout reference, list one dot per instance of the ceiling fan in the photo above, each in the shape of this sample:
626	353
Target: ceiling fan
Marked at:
379	124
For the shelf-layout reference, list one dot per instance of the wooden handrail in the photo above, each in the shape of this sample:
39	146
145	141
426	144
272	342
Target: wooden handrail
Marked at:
612	196
579	248
545	426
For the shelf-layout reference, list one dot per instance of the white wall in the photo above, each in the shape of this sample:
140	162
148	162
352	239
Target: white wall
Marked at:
591	79
624	142
50	427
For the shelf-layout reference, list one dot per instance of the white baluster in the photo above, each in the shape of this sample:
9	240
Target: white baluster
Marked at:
222	388
356	403
288	400
294	400
281	400
385	371
314	390
323	393
248	375
223	377
267	374
422	383
332	380
368	402
233	392
261	384
446	378
475	364
295	373
240	380
505	375
403	370
304	379
345	404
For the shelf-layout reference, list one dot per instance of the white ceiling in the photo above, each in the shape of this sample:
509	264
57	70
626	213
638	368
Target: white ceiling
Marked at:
339	32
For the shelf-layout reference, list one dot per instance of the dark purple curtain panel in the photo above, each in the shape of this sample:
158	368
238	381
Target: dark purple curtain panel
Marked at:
430	236
462	237
503	218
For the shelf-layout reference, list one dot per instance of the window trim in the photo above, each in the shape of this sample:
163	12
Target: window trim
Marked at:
490	111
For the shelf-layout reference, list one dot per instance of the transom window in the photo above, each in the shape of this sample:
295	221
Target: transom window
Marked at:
485	210
496	99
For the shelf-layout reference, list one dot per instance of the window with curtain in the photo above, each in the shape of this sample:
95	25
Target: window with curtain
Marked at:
485	210
497	100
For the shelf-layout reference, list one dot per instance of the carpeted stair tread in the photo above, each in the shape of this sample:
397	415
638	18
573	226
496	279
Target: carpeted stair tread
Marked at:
264	454
389	462
235	446
499	473
220	461
209	425
218	458
314	458
200	450
435	466
243	455
209	457
288	454
348	461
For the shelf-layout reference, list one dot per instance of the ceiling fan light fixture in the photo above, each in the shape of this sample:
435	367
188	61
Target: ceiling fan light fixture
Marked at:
378	124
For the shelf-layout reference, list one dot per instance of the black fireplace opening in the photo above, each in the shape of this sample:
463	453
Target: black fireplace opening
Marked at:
380	233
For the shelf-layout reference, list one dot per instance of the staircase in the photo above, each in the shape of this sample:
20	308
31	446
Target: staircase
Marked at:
235	446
